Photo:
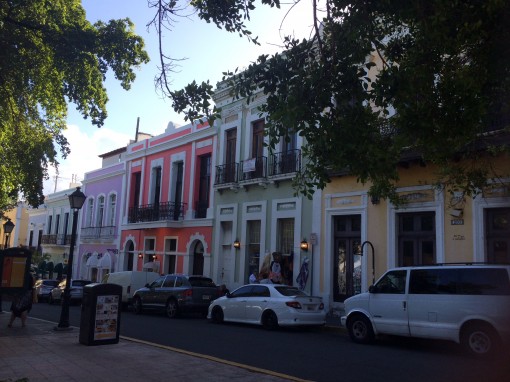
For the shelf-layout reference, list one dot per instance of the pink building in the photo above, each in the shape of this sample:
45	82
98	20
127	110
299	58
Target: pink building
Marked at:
167	216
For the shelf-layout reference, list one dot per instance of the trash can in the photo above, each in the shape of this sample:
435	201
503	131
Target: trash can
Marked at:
100	314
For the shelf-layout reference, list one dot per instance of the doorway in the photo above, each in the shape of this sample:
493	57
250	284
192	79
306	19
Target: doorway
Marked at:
346	257
129	254
198	259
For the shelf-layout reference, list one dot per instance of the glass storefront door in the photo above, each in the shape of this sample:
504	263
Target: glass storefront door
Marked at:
347	257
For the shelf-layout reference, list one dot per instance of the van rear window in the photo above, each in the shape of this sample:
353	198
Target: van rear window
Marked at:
465	281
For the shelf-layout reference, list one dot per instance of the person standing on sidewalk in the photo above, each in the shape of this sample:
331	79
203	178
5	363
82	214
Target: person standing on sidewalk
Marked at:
22	302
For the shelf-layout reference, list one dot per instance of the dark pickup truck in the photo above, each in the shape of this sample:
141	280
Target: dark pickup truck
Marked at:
175	294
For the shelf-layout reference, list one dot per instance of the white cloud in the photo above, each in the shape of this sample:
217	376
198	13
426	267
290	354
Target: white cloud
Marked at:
86	146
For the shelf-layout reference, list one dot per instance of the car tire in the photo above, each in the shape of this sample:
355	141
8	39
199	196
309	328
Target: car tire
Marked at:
360	329
479	339
270	320
217	315
137	305
171	309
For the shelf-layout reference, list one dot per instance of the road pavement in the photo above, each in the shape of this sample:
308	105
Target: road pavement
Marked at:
38	352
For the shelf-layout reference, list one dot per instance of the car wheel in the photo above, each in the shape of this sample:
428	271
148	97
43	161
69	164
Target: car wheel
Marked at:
217	315
479	339
137	305
360	329
171	309
269	320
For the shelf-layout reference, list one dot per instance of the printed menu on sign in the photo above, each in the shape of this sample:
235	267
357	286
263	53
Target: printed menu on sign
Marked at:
107	313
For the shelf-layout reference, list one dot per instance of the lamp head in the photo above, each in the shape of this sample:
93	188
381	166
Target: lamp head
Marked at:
76	199
8	226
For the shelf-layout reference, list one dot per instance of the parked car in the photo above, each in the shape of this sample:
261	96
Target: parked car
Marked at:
175	294
43	288
269	305
75	289
130	282
468	304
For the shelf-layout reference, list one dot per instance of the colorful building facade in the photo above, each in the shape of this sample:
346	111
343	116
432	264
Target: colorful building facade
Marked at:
98	252
256	210
166	223
363	237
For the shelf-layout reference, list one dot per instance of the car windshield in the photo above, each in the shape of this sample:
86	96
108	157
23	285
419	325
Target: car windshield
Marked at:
290	291
201	282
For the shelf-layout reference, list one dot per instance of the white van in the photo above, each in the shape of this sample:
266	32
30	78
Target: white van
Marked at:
468	304
130	282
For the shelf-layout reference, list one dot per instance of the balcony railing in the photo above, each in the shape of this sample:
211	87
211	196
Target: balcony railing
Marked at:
106	232
252	169
59	239
285	163
226	173
157	212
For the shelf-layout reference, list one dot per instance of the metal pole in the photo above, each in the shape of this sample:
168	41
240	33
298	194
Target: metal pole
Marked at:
64	314
312	270
373	259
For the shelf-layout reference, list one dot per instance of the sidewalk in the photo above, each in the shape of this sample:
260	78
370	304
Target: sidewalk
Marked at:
39	353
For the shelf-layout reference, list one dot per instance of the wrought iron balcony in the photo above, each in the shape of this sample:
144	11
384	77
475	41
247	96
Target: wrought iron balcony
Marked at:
226	173
59	239
157	212
252	169
49	239
285	163
106	232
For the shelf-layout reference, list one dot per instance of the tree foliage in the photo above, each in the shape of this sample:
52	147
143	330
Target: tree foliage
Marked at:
51	55
379	80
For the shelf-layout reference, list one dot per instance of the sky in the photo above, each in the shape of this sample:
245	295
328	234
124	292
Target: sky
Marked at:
208	52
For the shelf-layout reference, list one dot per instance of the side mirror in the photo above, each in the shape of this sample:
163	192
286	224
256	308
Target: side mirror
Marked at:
147	285
372	289
228	295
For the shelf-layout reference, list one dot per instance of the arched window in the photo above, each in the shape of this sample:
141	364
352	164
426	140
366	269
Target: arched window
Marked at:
112	204
100	211
90	213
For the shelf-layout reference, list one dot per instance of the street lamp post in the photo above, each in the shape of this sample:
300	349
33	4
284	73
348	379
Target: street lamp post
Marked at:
76	200
8	227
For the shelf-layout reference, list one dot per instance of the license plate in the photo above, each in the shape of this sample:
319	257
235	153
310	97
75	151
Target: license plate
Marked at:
310	308
206	297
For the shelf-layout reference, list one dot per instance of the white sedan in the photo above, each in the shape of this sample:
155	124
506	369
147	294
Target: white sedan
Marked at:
269	305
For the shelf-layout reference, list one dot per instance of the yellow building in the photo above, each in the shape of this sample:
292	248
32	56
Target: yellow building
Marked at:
362	238
18	237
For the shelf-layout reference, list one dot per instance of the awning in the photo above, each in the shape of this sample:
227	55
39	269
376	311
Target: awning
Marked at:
105	262
92	261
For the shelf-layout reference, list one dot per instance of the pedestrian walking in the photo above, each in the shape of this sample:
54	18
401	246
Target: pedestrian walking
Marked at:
22	302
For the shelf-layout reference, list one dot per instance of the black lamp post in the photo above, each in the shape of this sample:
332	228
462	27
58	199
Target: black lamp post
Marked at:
76	200
8	227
